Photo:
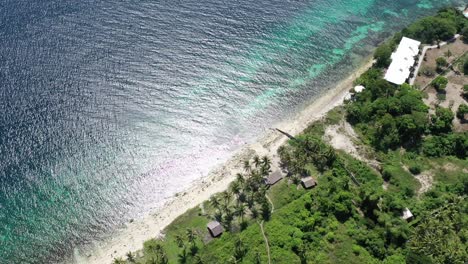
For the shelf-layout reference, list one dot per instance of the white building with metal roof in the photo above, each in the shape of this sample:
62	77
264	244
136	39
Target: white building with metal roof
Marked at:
402	61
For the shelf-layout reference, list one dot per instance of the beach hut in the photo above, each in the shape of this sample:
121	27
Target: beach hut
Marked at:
215	228
407	215
359	88
273	178
308	182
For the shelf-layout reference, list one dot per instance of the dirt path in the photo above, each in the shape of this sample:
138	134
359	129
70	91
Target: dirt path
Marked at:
266	241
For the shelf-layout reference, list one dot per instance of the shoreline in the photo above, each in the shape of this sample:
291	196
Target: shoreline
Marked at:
131	237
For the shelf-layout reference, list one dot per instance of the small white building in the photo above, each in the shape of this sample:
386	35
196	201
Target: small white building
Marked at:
407	214
402	61
359	88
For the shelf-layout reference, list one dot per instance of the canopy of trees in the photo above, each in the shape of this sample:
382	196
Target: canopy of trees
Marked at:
443	26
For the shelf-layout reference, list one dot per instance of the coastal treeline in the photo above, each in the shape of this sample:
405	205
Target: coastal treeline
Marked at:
359	211
430	30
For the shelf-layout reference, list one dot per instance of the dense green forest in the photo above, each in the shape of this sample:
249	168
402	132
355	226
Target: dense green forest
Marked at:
354	214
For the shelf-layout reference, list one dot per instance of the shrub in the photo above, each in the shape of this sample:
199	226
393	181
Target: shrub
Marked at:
464	33
429	72
465	91
439	83
415	169
441	97
382	55
462	111
465	67
441	62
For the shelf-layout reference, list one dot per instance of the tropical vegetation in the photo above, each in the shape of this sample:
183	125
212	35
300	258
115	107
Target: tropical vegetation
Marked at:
355	213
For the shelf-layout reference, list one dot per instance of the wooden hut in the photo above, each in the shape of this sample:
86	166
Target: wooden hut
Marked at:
215	228
308	182
273	178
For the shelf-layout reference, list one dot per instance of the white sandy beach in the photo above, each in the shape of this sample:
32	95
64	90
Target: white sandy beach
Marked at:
131	238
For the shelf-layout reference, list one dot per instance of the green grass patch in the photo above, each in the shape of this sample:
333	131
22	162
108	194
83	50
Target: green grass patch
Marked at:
283	193
449	169
400	180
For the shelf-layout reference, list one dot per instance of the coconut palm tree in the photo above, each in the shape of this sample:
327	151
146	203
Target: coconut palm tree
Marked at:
235	188
254	212
240	179
191	235
183	256
227	196
256	161
228	217
239	250
179	241
266	162
130	257
264	170
119	261
240	211
214	202
192	238
247	166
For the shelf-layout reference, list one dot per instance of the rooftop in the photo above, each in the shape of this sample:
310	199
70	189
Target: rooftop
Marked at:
308	182
215	228
273	178
359	88
402	61
407	214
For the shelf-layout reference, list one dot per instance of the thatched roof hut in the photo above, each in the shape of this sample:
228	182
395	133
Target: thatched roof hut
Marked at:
273	178
215	228
308	182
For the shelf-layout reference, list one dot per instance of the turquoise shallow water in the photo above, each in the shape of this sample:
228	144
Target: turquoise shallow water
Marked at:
108	107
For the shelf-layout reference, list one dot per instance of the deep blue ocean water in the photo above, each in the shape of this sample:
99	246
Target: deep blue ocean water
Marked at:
109	107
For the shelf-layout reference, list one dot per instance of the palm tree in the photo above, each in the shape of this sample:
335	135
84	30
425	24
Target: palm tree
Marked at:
179	241
218	216
266	210
240	179
130	257
227	198
214	202
239	250
266	162
192	238
235	188
256	161
191	235
240	211
160	256
228	217
254	212
119	261
247	166
264	170
183	256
